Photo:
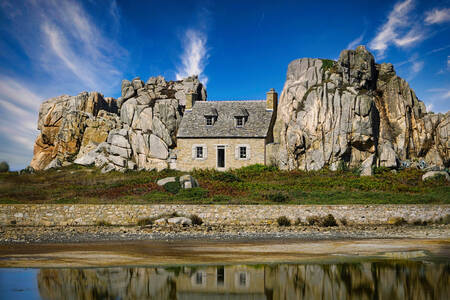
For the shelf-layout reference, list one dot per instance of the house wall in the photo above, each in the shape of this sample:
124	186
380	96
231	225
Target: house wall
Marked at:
186	162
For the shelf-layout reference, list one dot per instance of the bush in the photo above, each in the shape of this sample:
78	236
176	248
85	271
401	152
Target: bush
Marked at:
329	221
221	198
343	221
380	170
283	221
255	170
196	220
144	222
225	177
419	222
313	220
277	197
102	223
193	193
173	187
4	167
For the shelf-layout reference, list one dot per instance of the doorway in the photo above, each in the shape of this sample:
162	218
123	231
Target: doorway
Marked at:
220	156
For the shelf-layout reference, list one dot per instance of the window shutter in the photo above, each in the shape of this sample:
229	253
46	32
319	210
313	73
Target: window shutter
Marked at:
194	152
236	152
248	151
205	152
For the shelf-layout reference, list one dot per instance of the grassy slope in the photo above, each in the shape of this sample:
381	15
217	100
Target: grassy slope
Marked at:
251	185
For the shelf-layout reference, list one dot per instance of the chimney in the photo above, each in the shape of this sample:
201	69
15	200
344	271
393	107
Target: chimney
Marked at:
272	100
190	99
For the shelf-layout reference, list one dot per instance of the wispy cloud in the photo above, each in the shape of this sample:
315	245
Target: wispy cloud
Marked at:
398	30
416	67
67	51
195	55
18	119
437	16
355	42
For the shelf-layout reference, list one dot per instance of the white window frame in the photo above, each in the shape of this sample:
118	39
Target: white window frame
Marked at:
243	152
194	151
237	152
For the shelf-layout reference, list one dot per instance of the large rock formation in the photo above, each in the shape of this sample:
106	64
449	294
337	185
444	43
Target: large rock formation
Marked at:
354	112
136	131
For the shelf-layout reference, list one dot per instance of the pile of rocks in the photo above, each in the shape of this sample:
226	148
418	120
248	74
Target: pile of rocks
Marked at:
354	112
186	181
138	131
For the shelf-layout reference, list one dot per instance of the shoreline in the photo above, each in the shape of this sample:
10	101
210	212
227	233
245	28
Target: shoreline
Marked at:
29	235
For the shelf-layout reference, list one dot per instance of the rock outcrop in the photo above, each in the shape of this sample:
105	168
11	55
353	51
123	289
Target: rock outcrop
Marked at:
354	112
137	130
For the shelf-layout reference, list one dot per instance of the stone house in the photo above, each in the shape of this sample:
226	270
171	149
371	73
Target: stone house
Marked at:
225	134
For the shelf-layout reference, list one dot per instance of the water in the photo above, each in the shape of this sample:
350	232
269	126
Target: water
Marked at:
382	279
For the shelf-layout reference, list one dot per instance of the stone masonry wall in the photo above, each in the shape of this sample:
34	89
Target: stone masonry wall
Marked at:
86	214
185	162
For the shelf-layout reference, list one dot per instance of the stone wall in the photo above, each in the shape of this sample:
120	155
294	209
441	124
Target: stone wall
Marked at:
185	162
85	214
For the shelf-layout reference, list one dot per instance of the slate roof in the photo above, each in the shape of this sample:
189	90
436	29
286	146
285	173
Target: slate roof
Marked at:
193	124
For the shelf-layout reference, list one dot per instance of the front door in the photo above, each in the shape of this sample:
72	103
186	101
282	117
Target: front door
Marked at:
220	157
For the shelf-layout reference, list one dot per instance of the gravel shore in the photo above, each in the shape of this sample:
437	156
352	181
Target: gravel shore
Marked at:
81	234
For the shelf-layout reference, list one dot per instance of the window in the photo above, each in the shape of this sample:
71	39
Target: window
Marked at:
199	152
199	278
239	121
209	121
220	276
242	279
242	152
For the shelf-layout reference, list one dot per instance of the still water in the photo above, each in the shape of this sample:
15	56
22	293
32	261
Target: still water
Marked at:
356	280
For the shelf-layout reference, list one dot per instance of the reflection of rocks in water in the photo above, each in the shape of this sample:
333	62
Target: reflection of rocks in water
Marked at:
108	283
381	280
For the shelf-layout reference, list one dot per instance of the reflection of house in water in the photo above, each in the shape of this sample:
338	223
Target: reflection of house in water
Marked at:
225	282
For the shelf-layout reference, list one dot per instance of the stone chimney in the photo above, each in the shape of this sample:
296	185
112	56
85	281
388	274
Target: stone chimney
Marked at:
191	97
272	100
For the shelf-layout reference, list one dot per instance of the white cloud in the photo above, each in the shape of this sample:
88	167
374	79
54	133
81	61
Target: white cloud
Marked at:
18	121
437	16
355	42
398	30
417	66
448	62
194	57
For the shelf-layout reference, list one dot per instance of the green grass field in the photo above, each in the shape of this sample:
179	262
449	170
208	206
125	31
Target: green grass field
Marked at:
250	185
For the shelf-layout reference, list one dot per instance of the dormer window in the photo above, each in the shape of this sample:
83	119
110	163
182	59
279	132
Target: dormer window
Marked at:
240	116
239	121
210	116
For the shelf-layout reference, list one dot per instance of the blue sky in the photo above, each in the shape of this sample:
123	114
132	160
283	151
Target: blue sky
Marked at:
240	49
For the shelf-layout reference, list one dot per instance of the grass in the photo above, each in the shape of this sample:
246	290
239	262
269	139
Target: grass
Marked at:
250	185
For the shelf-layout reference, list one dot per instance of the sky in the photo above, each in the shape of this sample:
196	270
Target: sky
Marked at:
239	49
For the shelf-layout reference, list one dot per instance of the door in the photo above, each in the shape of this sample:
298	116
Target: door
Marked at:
220	157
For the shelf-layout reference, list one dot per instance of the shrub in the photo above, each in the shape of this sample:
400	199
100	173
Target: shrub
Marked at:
313	220
380	170
329	221
277	197
283	221
102	223
221	198
196	220
193	193
172	187
144	222
225	177
255	170
4	167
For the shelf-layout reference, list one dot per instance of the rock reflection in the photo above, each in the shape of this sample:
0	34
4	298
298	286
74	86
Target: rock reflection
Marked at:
371	280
